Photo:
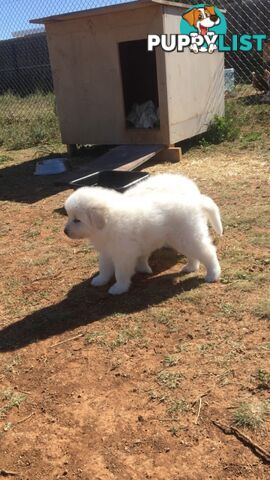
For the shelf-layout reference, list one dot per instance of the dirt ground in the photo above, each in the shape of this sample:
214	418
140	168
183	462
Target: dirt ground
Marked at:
134	394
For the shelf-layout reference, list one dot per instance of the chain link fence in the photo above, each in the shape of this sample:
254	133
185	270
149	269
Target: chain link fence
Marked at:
26	86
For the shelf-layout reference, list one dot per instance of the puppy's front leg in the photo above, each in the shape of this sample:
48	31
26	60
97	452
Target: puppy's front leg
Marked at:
106	271
124	269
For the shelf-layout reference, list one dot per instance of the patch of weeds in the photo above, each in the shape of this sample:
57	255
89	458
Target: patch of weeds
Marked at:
223	128
4	159
241	275
177	407
93	337
224	378
228	309
10	366
37	222
24	123
235	254
169	380
240	223
265	347
13	400
13	283
262	310
170	360
250	137
32	234
260	239
163	317
242	286
182	347
173	430
251	415
117	315
39	261
194	296
226	279
125	335
263	377
206	347
234	351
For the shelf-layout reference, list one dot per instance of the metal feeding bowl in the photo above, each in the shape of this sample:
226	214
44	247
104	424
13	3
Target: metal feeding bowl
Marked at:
51	166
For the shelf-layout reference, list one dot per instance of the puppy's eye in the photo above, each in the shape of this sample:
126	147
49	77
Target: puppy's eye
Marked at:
76	220
200	17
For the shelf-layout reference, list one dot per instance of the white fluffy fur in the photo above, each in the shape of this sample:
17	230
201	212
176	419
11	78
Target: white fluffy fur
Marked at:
127	228
165	183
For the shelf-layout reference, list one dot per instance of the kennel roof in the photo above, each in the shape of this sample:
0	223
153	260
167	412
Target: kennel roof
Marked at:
105	10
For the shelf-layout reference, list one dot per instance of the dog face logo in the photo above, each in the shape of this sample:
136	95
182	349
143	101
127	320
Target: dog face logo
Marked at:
202	18
203	23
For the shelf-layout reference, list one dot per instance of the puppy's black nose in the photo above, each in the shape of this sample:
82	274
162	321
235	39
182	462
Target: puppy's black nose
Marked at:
66	230
214	18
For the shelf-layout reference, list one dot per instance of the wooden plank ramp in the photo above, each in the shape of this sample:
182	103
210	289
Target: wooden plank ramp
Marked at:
124	157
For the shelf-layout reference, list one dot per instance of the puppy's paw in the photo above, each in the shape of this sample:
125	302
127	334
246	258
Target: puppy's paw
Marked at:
212	48
99	280
119	288
212	277
194	48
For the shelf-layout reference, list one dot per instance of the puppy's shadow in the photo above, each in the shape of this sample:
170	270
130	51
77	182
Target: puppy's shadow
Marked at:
163	259
85	304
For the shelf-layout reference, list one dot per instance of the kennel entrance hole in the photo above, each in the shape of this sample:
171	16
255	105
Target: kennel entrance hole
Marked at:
139	74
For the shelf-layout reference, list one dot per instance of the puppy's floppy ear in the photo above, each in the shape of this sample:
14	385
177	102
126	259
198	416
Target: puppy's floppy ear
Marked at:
98	216
190	17
210	9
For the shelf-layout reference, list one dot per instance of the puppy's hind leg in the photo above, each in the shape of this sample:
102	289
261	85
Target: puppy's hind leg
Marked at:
106	271
192	266
208	256
124	269
143	266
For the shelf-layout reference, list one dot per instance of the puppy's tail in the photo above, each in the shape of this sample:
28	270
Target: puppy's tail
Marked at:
212	212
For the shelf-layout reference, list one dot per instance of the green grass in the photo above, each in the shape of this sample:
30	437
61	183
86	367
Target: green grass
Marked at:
246	126
251	137
251	415
125	335
170	360
262	309
177	407
223	128
163	317
28	121
93	337
169	380
11	399
5	159
263	378
10	367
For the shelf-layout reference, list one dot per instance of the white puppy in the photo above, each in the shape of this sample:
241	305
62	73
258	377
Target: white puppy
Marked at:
126	229
165	183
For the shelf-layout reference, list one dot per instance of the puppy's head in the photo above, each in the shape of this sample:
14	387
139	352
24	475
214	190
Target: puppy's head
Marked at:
87	210
202	18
